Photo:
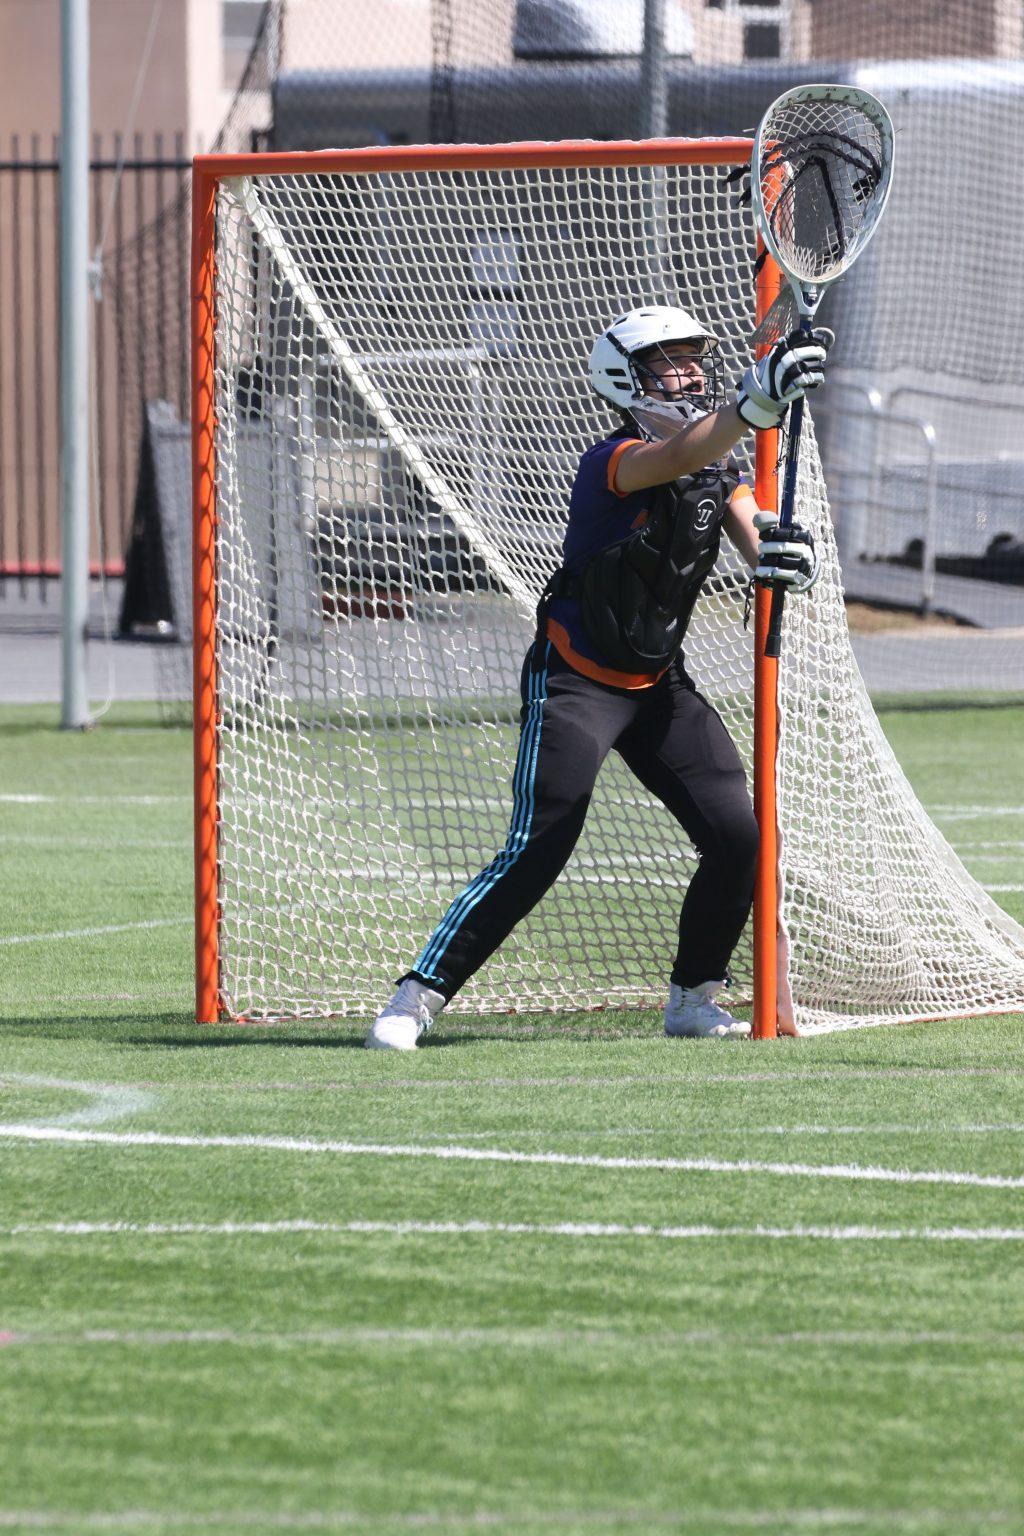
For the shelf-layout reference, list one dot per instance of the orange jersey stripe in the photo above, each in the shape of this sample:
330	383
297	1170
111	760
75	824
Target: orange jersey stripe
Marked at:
559	637
613	464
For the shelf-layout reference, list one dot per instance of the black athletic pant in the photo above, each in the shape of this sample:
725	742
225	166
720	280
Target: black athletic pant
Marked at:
677	746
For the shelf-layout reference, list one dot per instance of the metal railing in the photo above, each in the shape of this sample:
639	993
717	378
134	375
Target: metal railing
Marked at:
879	414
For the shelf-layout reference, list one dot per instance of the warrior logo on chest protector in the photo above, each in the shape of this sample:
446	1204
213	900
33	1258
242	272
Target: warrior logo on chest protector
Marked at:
707	511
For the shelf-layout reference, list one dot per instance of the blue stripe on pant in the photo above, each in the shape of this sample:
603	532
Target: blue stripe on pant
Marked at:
523	785
675	744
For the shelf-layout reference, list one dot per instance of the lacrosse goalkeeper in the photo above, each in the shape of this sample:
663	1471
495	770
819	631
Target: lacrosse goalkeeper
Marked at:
606	669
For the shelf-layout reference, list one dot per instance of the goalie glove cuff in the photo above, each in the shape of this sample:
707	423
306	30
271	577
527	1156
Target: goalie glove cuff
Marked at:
785	556
756	408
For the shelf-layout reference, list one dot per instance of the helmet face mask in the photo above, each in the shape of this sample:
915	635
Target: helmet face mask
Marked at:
631	360
694	398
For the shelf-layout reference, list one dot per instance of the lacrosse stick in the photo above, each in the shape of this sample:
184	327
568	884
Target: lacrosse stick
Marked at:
819	176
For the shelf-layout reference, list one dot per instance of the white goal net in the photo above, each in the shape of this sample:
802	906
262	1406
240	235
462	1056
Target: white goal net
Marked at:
400	404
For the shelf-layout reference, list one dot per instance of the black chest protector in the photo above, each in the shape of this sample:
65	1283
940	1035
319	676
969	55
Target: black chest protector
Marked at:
636	596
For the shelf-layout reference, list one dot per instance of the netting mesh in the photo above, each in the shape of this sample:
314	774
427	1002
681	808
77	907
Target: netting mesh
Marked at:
884	921
401	403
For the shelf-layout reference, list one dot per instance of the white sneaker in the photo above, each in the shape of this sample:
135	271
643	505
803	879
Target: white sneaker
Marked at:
692	1012
408	1015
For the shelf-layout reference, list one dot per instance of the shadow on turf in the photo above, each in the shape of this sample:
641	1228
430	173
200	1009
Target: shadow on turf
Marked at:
992	1041
177	1031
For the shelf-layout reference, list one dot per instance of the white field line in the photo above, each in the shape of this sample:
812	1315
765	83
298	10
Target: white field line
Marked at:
29	840
751	1129
507	1338
458	875
90	933
142	730
669	1079
970	846
679	1521
572	875
1008	854
851	1171
966	811
110	1101
972	812
104	997
121	757
262	803
571	1229
95	799
59	935
115	1101
516	1520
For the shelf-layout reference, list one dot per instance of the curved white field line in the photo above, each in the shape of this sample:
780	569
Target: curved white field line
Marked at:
298	1144
110	1101
573	1229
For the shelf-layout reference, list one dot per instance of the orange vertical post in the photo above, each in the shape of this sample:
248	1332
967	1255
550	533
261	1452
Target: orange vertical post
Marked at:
766	737
204	657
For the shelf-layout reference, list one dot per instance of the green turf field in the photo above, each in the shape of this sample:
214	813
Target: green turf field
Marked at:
660	1286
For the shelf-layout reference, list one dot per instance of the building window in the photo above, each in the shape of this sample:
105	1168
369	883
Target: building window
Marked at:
762	40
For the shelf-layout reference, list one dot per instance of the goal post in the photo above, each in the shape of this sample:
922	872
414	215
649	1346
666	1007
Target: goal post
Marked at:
389	399
205	710
766	689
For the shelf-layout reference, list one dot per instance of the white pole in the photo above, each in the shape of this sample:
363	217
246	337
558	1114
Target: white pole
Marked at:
653	124
74	341
653	85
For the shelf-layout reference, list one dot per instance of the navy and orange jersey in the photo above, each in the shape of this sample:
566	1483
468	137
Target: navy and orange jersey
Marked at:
600	515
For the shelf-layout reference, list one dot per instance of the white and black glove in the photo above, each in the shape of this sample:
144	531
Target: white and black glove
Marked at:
768	388
785	556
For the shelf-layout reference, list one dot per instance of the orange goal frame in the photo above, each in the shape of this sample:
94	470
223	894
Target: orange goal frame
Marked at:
207	171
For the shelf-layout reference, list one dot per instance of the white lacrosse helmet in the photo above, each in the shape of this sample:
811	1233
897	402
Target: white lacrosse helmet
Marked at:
616	374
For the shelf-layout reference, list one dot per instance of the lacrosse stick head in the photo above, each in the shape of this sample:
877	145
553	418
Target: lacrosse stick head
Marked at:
820	176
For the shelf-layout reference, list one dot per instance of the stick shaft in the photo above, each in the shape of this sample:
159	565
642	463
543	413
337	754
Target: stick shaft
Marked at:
773	645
